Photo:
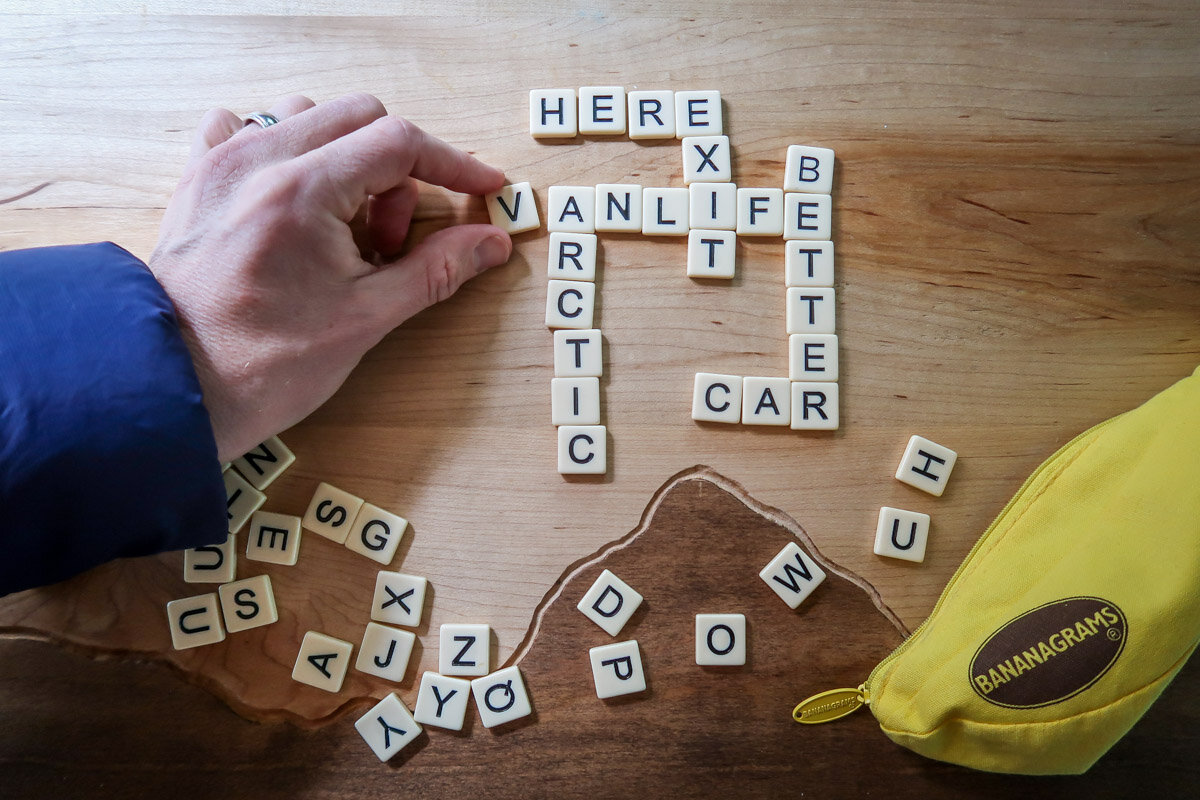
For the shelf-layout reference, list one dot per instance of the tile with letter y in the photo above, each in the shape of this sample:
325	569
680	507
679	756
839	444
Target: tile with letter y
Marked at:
388	727
442	701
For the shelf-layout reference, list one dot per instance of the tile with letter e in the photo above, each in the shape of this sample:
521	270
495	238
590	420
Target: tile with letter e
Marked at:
698	113
717	398
926	465
248	603
815	406
808	263
901	534
501	697
388	727
652	115
619	207
610	602
707	159
665	211
711	254
582	450
273	538
575	401
513	208
721	640
602	110
376	533
215	563
571	209
322	661
807	216
241	499
464	649
552	114
331	512
766	401
578	354
808	169
265	463
813	357
811	309
442	701
759	212
713	206
195	621
570	304
572	256
792	575
385	652
617	669
399	599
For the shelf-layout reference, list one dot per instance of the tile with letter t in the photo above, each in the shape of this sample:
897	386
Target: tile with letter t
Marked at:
501	697
513	208
711	254
609	603
241	499
265	463
619	207
582	450
572	256
216	563
652	115
766	401
707	159
901	534
717	398
713	206
388	727
811	310
464	649
759	212
808	263
602	110
552	114
807	216
665	211
273	538
813	357
698	113
721	640
442	701
575	401
570	304
792	575
385	652
376	533
195	621
571	209
815	406
331	512
617	669
399	599
322	661
248	603
926	465
578	354
808	169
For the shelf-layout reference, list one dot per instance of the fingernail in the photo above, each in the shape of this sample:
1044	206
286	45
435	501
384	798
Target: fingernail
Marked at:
491	252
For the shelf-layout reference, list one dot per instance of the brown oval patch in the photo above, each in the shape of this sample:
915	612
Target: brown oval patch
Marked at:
1050	653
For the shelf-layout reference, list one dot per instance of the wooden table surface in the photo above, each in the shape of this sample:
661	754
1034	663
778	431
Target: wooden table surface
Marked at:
1015	216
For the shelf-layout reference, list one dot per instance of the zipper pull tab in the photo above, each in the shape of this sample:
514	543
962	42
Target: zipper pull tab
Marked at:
831	705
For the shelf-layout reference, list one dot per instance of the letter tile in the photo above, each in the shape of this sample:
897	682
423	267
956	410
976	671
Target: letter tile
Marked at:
578	354
617	669
399	599
602	110
807	216
814	406
809	169
713	206
792	575
766	401
195	621
698	113
582	450
265	463
248	603
619	207
552	114
388	727
385	652
570	304
652	115
465	649
926	465
808	263
711	254
813	357
572	256
501	697
322	661
331	512
760	212
811	310
376	533
241	499
721	640
442	701
571	209
706	159
901	534
665	211
273	538
212	564
717	398
514	208
575	401
610	602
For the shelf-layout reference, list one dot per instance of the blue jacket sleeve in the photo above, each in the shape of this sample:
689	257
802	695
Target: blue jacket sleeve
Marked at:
106	449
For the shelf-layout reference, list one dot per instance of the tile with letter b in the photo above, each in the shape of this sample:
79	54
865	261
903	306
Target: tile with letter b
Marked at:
602	110
241	499
717	398
759	212
713	206
501	697
399	599
811	310
376	533
926	465
572	256
575	401
552	114
331	512
792	575
665	211
807	216
901	534
464	649
721	640
571	209
707	159
766	401
808	169
619	207
248	603
322	661
385	652
698	114
265	463
216	563
711	254
273	538
578	354
513	208
652	115
813	357
610	602
815	406
195	621
808	263
388	727
442	701
570	304
582	450
617	669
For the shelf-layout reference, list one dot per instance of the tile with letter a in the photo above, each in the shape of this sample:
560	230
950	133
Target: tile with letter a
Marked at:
766	401
464	649
713	206
552	114
575	401
322	661
388	727
809	169
265	463
665	211
578	354
926	465
721	640
811	310
572	256
331	512
652	115
901	534
376	533
813	357
815	406
707	159
610	602
195	621
570	304
792	575
571	209
399	599
619	207
442	701
385	652
698	114
617	669
582	450
501	697
215	563
711	254
759	212
513	208
808	263
602	110
717	398
248	603
807	216
241	499
273	538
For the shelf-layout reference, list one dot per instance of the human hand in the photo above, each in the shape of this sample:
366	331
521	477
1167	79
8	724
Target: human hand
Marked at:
275	299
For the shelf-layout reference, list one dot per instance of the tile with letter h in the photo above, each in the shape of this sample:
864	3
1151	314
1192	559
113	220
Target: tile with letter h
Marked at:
902	534
792	575
617	669
926	465
610	602
442	701
388	727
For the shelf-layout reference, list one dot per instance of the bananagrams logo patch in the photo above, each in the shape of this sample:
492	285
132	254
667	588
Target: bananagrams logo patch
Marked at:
1049	654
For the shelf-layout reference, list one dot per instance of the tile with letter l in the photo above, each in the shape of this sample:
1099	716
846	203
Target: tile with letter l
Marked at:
811	309
248	603
665	211
376	533
602	110
265	463
815	406
442	701
575	401
582	450
807	216
652	115
513	208
619	207
501	697
464	649
578	354
901	534
571	209
610	602
331	512
711	254
216	563
759	212
322	661
195	621
813	357
808	169
388	727
617	669
717	398
792	575
570	304
552	114
698	113
721	640
273	538
241	499
385	652
766	401
707	159
572	256
399	599
926	465
713	206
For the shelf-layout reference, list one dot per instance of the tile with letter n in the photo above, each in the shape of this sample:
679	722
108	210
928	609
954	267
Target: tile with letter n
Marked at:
195	621
901	534
322	661
464	649
399	599
721	640
610	602
273	538
926	465
617	669
388	727
501	697
248	603
331	512
216	563
265	463
619	207
376	533
513	208
385	652
792	575
442	701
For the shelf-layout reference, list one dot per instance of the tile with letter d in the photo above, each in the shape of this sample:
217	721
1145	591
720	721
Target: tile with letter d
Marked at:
707	159
575	401
399	599
388	727
273	538
610	602
721	640
617	669
815	406
582	450
698	113
901	534
766	401
808	263
331	512
717	398
652	115
442	701
926	465
807	216
792	575
376	533
570	304
552	114
808	169
711	254
813	357
811	310
248	603
571	209
195	621
265	463
216	563
322	661
572	256
501	697
578	354
385	652
513	208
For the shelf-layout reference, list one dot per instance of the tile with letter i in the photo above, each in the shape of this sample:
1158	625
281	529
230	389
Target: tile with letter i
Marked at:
575	401
273	538
717	398
582	450
571	209
501	697
265	463
815	406
464	649
248	603
926	465
652	115
711	254
195	621
322	662
215	563
707	159
552	114
808	169
388	727
399	599
442	701
807	216
385	652
813	357
808	263
513	208
376	533
811	310
602	110
698	114
331	512
792	575
617	669
572	256
665	211
766	401
609	603
578	354
721	640
570	304
619	207
901	534
759	212
713	206
241	499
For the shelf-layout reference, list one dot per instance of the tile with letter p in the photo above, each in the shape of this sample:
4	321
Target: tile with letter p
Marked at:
617	669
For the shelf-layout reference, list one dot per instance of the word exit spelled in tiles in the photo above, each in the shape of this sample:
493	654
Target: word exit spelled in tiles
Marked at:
926	465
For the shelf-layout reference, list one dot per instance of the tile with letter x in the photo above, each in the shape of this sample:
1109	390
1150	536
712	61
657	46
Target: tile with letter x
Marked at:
399	599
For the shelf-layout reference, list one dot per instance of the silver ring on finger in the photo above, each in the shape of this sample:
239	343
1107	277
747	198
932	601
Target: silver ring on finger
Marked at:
261	118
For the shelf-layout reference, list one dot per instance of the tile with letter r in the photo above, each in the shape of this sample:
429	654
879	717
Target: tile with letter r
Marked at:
442	701
582	450
707	159
248	603
926	465
578	353
717	398
901	534
815	406
376	533
501	697
571	209
322	661
698	113
265	463
572	256
513	208
721	640
331	512
602	110
652	115
388	727
216	563
399	599
766	401
610	602
195	621
792	575
553	114
617	669
241	499
464	649
808	169
273	538
385	652
711	254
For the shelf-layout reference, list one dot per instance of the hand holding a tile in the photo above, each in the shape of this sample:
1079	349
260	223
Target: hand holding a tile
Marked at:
273	251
